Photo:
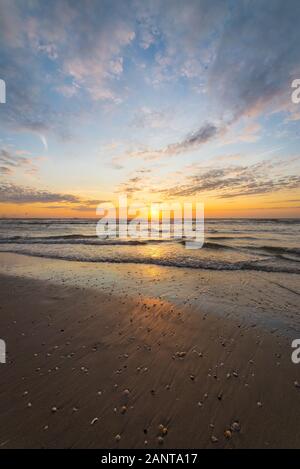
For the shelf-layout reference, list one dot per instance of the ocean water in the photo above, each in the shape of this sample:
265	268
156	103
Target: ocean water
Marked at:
269	245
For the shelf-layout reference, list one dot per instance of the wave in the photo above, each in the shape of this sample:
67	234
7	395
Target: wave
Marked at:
276	249
94	220
288	253
193	263
71	239
230	238
96	241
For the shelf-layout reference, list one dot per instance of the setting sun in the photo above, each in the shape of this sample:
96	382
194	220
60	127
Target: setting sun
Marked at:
149	227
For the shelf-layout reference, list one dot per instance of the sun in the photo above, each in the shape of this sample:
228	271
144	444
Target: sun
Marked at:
154	212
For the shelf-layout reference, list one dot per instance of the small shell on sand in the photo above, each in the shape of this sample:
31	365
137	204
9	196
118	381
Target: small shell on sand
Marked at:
259	404
160	440
53	410
235	427
214	439
118	437
29	404
162	429
95	420
126	392
123	409
227	434
180	354
297	384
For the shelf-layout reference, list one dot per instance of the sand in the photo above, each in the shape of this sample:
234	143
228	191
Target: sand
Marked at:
92	368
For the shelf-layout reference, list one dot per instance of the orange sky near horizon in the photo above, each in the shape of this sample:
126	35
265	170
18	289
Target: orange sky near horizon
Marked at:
250	207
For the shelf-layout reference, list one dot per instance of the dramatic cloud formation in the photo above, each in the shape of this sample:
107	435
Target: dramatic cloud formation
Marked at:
166	80
242	54
81	42
257	55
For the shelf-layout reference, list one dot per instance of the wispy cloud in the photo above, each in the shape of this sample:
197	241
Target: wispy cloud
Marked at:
12	193
11	161
191	142
237	181
151	119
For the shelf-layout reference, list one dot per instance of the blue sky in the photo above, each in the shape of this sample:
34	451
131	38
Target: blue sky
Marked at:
162	100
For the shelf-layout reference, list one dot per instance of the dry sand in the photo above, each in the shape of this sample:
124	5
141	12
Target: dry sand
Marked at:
86	367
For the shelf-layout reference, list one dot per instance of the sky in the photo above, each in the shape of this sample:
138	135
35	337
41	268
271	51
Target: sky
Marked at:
162	100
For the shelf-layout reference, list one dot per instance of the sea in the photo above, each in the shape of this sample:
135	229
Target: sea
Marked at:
268	245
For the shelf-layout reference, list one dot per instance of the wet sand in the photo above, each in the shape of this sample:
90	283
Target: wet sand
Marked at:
95	369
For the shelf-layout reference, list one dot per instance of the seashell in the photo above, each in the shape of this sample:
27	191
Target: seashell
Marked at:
123	409
235	427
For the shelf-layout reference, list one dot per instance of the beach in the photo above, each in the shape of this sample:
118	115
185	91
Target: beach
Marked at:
127	356
149	227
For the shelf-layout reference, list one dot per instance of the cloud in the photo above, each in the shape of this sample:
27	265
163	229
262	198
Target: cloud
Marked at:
10	162
12	193
63	47
237	181
64	59
204	134
151	119
132	185
256	56
85	206
243	56
44	141
207	132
